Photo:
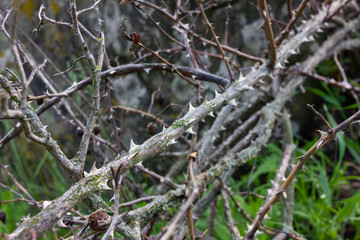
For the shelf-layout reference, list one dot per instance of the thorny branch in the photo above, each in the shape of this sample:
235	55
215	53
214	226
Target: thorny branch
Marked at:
266	25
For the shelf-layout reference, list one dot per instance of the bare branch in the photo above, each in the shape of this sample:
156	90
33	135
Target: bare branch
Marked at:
71	68
266	25
216	39
234	231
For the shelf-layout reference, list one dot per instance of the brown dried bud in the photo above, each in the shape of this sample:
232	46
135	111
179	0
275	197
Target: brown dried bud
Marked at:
3	217
97	129
99	221
79	131
151	128
160	98
68	220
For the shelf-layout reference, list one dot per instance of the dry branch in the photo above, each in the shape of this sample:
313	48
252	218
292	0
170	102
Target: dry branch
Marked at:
266	25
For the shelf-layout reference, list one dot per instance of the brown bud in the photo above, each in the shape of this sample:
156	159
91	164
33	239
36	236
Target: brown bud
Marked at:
99	221
3	217
79	131
68	220
160	98
151	128
97	129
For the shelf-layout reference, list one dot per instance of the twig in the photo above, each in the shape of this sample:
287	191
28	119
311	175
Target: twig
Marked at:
208	141
47	95
117	182
162	179
169	64
71	68
189	50
192	157
341	69
43	19
330	81
289	8
24	190
236	133
265	229
216	39
294	16
234	231
3	28
186	71
81	127
95	66
336	11
19	63
136	201
35	71
92	7
288	210
112	113
156	118
266	26
327	124
157	91
227	23
344	77
13	191
250	174
172	226
212	218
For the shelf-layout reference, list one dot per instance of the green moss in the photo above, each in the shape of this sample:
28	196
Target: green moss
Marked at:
210	104
178	123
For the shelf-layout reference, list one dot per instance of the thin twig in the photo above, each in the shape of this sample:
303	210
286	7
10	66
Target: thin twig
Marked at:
172	226
71	68
323	119
3	28
216	39
35	71
341	69
162	179
117	182
136	201
266	26
330	81
234	231
24	190
294	16
92	7
289	8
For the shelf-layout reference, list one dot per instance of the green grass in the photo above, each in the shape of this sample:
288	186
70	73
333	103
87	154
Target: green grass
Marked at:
36	170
